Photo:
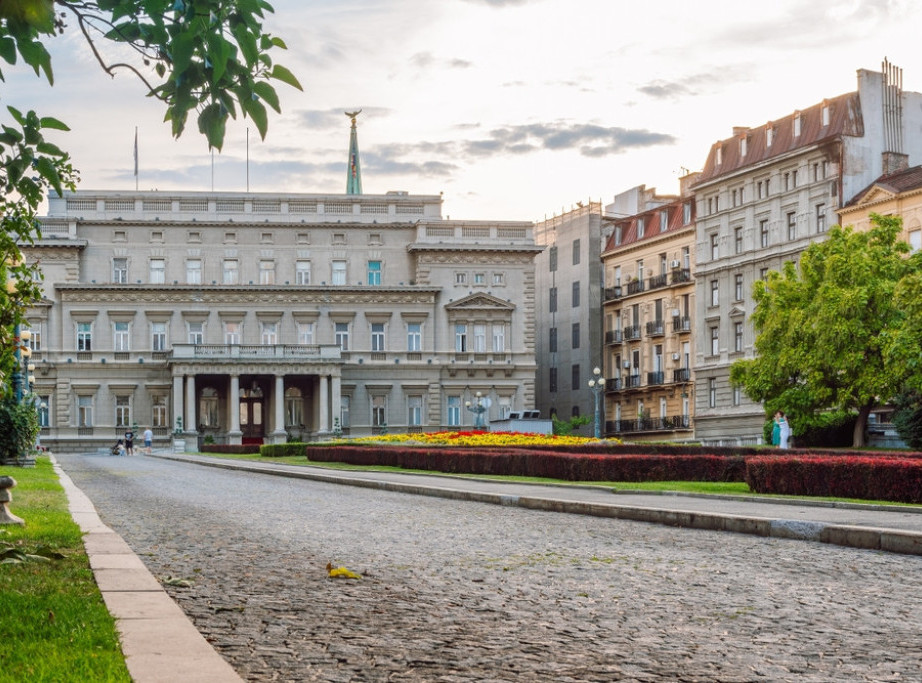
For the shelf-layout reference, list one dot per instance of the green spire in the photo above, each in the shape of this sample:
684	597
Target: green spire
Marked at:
354	172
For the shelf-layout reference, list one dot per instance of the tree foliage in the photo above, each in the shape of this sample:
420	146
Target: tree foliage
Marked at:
827	329
207	57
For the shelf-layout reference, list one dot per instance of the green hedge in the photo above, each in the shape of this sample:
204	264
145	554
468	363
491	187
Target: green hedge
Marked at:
282	450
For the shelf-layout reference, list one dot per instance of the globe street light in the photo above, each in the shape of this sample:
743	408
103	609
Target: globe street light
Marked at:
479	407
597	385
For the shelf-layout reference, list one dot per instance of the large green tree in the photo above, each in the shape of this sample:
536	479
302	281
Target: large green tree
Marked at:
827	328
208	58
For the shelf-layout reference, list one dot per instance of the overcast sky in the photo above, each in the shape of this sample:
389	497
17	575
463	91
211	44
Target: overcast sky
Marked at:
514	109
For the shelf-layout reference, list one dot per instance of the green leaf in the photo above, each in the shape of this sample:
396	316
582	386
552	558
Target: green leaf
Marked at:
280	73
50	122
211	123
257	112
267	93
8	49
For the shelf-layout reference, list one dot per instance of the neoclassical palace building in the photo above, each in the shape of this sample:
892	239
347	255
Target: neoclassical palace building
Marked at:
266	317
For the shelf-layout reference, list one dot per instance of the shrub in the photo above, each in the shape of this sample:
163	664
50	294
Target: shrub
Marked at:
283	450
230	448
908	419
19	428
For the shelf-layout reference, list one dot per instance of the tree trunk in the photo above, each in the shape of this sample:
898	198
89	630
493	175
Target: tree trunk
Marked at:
860	424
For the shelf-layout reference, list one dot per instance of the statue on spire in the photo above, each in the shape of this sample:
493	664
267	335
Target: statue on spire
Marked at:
354	175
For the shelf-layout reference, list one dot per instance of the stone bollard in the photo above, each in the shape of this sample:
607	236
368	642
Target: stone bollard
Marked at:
7	517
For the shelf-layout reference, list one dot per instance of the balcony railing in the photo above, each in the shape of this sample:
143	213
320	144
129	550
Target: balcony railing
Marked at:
632	381
681	375
656	377
648	424
257	351
657	281
681	323
631	333
635	287
614	384
655	328
681	275
612	293
613	337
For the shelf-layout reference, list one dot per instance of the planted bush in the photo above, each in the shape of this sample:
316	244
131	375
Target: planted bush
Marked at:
282	450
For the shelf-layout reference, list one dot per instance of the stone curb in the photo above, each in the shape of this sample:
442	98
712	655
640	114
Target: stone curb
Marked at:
159	642
866	538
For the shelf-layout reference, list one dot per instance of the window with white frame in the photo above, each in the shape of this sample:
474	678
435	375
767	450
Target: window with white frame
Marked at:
303	272
44	411
499	338
294	408
480	338
378	411
738	239
232	332
345	411
715	293
712	392
374	273
821	218
414	410
269	333
377	337
480	279
231	271
122	411
640	227
120	271
305	333
737	395
454	411
738	286
196	332
792	225
461	338
193	271
738	336
796	125
499	279
338	273
686	213
158	336
763	232
35	340
663	220
715	340
267	272
208	407
159	413
915	240
157	271
84	411
414	336
84	336
121	338
715	246
341	335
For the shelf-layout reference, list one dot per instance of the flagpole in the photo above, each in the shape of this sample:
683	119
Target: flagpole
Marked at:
135	158
248	159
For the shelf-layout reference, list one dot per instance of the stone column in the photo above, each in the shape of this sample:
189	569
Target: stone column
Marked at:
324	405
279	435
177	401
189	424
234	435
336	400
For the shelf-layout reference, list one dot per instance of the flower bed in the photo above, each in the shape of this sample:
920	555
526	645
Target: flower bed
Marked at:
477	438
897	479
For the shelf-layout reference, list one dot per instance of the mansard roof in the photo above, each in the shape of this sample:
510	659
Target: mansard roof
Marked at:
652	224
843	118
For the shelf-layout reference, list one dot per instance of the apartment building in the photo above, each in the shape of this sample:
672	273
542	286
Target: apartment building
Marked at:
764	195
648	307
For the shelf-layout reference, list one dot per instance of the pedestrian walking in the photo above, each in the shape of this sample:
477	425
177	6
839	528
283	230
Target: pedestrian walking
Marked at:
148	440
129	442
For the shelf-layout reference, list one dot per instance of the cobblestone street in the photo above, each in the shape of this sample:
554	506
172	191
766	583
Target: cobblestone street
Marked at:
460	591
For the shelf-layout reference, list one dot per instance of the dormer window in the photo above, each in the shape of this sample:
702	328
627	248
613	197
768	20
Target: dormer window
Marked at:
720	155
825	113
797	125
769	136
744	144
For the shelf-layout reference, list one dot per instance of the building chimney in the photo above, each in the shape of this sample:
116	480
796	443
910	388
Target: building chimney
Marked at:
894	162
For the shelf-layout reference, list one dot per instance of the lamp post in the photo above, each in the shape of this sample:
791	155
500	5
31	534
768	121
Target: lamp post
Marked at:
597	386
479	407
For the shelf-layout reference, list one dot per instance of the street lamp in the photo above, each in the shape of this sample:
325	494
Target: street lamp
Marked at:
479	407
597	386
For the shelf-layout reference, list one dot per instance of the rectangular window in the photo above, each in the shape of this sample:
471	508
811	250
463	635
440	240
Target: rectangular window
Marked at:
915	240
821	218
121	340
159	416
339	273
715	246
552	300
763	232
574	336
193	272
374	273
157	271
158	336
122	411
305	333
663	221
576	294
414	410
267	272
480	279
552	259
231	275
460	278
640	228
84	411
414	337
574	376
738	286
454	411
715	293
303	273
294	411
341	331
499	338
737	336
552	379
792	226
737	395
461	338
232	333
712	392
552	340
377	337
576	255
499	279
120	271
738	240
196	333
379	411
480	338
686	213
269	333
84	336
715	341
345	411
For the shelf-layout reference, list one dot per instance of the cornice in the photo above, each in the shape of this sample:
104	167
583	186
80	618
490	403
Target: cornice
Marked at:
250	296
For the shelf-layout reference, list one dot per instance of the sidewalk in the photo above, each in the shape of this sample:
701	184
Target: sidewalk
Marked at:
161	644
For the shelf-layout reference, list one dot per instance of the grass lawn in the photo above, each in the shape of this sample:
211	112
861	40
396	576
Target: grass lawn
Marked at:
54	625
726	488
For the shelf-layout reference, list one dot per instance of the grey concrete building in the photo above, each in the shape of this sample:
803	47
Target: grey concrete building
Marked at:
265	317
764	195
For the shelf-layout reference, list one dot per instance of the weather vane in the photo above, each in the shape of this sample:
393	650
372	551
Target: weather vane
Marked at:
352	115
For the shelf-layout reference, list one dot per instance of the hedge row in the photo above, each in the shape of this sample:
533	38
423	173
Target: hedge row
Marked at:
897	479
229	448
580	466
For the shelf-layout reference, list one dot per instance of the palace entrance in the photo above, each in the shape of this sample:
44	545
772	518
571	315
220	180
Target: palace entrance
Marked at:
252	412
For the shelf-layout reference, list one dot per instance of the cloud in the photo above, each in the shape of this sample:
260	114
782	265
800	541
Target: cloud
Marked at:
324	119
426	60
498	3
697	84
590	140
